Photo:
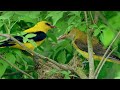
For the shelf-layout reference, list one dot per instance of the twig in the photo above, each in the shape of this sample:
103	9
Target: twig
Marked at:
96	16
7	61
103	63
14	73
90	50
92	18
4	39
81	74
103	58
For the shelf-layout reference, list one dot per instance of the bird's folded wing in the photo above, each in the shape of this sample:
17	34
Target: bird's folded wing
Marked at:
39	36
96	57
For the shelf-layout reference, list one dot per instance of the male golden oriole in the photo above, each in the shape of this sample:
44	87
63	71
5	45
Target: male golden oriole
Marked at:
40	30
79	41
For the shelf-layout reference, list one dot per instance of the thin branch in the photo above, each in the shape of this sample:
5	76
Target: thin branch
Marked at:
13	24
103	63
7	61
103	58
4	39
96	16
90	50
92	17
14	73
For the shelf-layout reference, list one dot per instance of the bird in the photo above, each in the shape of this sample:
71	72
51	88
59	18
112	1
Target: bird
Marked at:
79	42
40	30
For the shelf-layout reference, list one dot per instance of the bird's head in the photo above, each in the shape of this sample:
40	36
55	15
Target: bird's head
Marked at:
70	34
44	26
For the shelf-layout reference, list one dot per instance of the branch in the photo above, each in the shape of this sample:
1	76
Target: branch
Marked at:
93	21
100	65
7	61
90	50
65	67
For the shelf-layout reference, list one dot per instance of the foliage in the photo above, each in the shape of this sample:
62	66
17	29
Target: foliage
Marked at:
14	22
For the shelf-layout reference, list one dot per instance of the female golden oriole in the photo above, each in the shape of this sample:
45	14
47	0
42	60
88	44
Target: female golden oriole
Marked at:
40	30
79	42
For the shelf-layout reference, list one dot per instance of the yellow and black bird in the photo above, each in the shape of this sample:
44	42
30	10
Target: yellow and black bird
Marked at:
79	42
40	30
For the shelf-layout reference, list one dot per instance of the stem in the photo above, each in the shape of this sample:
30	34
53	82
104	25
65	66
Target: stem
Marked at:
90	50
92	17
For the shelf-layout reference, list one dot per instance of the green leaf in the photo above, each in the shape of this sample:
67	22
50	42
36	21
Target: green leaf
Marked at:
71	19
25	39
33	43
69	48
6	15
1	24
30	35
66	74
53	71
34	14
107	36
114	21
2	68
22	13
76	13
56	15
52	36
62	57
10	57
57	50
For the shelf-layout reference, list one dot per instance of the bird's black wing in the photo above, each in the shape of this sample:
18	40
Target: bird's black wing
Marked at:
39	36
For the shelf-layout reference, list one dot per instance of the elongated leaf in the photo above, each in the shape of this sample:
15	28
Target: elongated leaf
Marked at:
2	69
30	35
